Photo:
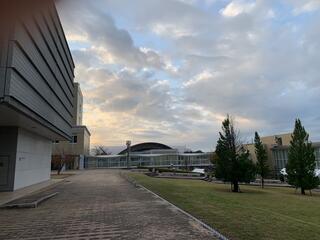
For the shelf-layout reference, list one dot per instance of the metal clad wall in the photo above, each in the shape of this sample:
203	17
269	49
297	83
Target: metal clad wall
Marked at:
41	71
59	40
34	101
55	56
38	59
30	75
56	20
3	54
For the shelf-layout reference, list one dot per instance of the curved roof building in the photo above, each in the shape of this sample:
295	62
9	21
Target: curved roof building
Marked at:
146	146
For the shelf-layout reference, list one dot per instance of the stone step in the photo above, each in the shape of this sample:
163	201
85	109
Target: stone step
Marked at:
30	201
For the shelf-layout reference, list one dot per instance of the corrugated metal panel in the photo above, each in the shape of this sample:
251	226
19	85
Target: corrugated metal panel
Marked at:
2	51
3	54
4	28
33	53
39	75
31	75
2	81
59	44
23	92
55	17
41	44
47	45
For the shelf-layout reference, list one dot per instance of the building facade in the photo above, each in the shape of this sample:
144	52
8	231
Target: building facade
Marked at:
269	142
79	145
36	91
150	155
277	147
280	156
78	103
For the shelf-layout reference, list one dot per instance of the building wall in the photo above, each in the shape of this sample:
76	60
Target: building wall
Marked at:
269	142
37	74
150	160
33	159
8	147
253	156
280	156
24	158
81	147
3	55
6	29
86	143
36	90
78	103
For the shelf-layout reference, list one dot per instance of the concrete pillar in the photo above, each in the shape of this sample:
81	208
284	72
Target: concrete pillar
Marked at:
8	149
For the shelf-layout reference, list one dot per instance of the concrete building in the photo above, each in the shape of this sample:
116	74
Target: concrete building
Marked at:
280	155
78	103
36	91
269	142
79	145
277	147
150	154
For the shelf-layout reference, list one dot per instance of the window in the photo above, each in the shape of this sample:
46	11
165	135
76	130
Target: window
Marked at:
56	141
74	139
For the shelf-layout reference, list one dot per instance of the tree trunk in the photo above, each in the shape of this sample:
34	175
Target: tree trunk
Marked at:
262	182
59	169
302	191
235	186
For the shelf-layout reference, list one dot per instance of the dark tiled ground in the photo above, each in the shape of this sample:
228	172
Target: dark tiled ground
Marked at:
99	204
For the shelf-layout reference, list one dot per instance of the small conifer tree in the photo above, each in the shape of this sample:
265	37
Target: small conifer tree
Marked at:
233	163
261	153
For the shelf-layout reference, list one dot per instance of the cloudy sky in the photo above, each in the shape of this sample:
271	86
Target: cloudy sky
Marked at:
170	70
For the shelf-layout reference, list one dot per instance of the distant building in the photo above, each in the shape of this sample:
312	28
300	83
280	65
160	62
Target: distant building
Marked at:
78	103
36	91
150	154
277	147
280	155
79	145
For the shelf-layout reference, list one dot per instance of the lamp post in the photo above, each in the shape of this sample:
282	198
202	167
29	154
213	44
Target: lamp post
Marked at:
128	143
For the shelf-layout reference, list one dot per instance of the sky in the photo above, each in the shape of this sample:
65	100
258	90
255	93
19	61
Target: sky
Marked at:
170	71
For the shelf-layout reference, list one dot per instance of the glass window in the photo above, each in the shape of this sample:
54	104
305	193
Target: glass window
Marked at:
74	139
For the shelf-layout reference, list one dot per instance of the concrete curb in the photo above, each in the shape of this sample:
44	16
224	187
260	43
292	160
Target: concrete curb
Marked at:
33	204
53	183
210	229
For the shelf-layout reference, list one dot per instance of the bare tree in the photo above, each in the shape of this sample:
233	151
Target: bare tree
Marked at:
100	150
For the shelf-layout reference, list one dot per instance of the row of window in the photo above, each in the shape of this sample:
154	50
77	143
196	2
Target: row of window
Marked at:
121	161
74	139
281	157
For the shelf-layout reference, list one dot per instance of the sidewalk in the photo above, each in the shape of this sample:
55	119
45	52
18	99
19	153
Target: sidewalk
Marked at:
100	204
6	197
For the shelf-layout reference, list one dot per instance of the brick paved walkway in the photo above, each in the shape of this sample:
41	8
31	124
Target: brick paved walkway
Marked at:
99	204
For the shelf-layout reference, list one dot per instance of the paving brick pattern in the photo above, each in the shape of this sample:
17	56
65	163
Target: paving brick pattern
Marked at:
99	204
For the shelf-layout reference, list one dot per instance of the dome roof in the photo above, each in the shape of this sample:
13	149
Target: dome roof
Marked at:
146	146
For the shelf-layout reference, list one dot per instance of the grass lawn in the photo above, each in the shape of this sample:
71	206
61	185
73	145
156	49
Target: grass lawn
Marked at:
271	213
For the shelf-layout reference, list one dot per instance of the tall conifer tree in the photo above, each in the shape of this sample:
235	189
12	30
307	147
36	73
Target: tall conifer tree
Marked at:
301	160
233	163
262	158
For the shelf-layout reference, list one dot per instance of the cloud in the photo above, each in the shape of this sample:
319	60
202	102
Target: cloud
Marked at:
111	43
237	7
305	6
170	71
